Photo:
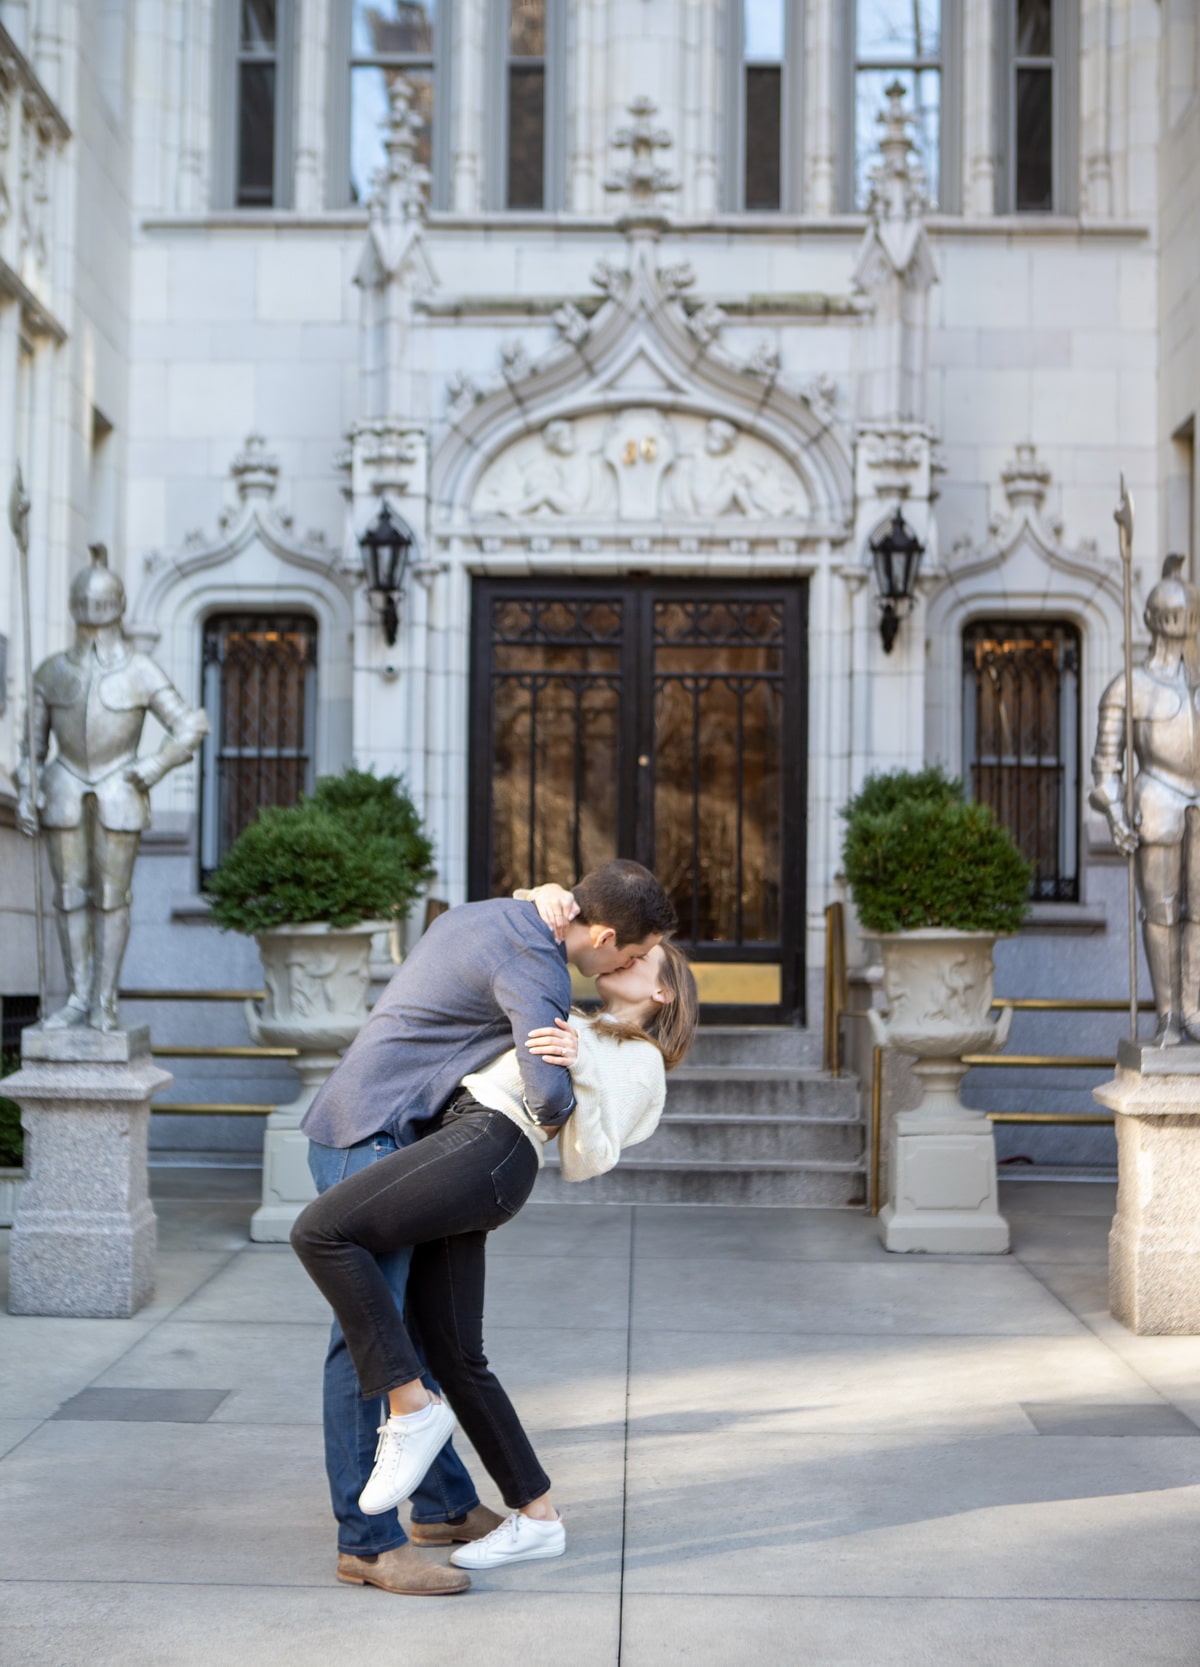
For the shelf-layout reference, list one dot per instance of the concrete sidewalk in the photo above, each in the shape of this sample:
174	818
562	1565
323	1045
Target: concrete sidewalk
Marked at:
772	1442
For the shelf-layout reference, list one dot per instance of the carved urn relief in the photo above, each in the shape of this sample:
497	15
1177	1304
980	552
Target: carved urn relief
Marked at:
942	1193
317	981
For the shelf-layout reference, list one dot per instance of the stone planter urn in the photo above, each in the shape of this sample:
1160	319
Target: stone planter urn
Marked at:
942	1193
10	1182
317	979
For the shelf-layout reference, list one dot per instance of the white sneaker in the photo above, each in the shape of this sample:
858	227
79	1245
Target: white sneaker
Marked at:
519	1539
404	1454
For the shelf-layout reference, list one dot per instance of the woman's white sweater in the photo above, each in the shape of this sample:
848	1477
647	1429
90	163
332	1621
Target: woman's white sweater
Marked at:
620	1088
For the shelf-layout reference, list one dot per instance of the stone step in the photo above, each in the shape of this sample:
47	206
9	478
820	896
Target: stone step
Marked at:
796	1185
761	1090
756	1139
757	1044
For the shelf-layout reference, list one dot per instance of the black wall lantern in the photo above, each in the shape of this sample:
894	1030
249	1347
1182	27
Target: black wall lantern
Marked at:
386	547
897	552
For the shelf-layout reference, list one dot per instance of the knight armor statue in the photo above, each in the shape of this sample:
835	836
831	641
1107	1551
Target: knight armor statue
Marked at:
92	794
1166	795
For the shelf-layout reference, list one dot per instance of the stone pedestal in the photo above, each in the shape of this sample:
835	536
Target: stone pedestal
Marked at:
84	1239
317	978
287	1184
1154	1245
942	1194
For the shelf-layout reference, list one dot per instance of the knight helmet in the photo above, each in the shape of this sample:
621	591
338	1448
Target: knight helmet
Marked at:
97	595
1173	606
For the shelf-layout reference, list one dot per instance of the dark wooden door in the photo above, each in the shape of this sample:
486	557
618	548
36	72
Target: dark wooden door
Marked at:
661	721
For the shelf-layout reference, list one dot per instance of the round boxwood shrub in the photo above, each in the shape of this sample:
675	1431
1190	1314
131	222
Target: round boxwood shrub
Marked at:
917	853
354	850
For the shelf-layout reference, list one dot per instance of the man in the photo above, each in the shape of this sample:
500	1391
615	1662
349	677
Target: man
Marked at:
480	979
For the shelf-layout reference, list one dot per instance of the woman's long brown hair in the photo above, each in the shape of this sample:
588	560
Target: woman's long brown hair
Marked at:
672	1026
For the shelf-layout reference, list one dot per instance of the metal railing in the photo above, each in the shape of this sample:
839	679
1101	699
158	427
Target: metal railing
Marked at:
182	1050
837	1008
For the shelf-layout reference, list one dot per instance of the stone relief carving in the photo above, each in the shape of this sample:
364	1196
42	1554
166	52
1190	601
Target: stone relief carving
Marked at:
639	465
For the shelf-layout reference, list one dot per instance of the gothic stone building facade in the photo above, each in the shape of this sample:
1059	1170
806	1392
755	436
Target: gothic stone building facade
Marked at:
645	316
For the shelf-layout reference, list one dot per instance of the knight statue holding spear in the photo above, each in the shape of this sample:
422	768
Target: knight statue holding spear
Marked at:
90	795
1154	710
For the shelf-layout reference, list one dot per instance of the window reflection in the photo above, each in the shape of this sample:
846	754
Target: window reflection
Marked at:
526	92
1033	107
763	36
388	38
897	40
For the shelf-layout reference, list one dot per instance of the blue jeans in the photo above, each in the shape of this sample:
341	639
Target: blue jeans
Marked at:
352	1424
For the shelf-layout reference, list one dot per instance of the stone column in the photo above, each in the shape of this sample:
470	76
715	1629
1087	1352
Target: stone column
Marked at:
1154	1246
84	1240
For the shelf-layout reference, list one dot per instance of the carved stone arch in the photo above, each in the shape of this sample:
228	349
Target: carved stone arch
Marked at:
1025	570
256	562
643	354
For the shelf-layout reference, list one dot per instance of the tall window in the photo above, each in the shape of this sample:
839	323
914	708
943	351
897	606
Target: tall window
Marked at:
762	103
526	104
1021	741
897	40
763	81
1033	106
1037	100
261	41
389	38
260	692
252	104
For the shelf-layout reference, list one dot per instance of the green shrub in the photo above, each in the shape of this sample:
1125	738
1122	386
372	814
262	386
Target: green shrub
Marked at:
12	1136
916	854
355	850
889	789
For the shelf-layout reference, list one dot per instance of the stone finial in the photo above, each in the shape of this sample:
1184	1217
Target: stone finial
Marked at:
255	471
1025	480
642	179
897	180
402	185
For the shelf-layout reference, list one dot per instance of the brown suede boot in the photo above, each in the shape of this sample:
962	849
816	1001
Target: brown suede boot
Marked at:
402	1569
473	1526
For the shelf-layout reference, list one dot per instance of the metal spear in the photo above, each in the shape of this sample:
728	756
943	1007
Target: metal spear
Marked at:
18	520
1123	516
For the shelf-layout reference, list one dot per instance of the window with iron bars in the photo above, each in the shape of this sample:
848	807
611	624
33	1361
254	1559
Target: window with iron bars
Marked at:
1021	741
260	692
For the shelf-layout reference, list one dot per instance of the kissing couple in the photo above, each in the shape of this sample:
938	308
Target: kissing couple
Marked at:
427	1137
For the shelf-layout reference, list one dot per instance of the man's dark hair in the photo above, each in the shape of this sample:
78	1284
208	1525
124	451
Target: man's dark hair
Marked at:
627	897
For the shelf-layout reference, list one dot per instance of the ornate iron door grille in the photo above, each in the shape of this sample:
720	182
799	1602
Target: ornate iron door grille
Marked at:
260	694
1021	741
662	722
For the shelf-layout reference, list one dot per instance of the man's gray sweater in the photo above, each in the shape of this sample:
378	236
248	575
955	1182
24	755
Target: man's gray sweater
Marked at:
478	981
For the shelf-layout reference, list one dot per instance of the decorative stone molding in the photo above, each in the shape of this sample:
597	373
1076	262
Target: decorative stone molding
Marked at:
254	470
571	324
389	459
898	188
642	180
1025	480
655	425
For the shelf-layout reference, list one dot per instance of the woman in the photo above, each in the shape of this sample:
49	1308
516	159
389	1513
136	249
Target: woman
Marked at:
443	1195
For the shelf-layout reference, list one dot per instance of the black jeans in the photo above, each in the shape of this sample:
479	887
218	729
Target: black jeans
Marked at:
442	1195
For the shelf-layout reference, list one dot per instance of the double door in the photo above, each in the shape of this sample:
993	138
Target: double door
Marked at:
660	721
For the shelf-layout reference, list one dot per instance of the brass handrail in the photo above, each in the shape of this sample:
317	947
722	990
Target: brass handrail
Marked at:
215	1109
179	1050
193	995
